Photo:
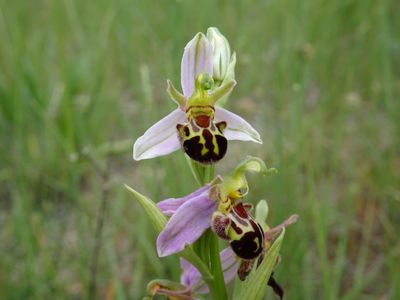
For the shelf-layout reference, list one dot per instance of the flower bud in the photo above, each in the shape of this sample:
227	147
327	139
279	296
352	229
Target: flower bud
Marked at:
221	53
262	214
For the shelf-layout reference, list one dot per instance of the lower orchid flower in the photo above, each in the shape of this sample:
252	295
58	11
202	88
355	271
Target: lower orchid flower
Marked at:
218	205
192	215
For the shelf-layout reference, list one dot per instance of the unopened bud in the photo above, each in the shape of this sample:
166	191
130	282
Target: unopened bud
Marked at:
221	53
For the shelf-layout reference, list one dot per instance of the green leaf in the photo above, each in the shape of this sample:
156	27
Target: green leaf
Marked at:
159	220
256	283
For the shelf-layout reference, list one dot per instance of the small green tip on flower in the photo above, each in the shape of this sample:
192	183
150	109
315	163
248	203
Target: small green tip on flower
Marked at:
222	91
175	95
252	164
204	82
237	181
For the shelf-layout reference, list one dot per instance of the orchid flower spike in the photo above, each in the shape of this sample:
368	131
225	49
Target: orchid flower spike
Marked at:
198	126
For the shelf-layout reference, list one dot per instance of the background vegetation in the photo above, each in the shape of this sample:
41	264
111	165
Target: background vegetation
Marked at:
81	80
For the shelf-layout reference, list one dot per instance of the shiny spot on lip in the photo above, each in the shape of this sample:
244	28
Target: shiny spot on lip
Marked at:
203	121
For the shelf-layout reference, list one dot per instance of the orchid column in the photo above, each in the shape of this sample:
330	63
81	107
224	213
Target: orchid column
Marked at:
202	128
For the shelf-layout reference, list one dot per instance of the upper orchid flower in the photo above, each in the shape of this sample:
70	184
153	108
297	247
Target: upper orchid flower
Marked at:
198	126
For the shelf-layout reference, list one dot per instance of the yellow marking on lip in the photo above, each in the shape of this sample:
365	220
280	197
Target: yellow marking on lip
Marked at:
202	141
204	150
257	243
214	141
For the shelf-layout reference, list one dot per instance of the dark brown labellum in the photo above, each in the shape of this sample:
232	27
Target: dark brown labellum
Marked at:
250	245
245	235
203	140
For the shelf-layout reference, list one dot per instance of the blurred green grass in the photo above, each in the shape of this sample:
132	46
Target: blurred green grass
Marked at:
319	79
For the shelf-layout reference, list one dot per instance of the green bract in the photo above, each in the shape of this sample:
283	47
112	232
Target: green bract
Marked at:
256	283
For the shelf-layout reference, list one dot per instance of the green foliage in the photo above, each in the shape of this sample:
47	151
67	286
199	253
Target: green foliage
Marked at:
254	286
318	79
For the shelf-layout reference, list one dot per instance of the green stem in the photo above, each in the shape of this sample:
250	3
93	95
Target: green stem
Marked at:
197	172
208	174
216	269
207	246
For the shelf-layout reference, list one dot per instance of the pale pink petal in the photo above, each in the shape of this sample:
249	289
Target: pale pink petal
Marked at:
197	58
237	127
169	206
190	277
186	225
230	264
161	138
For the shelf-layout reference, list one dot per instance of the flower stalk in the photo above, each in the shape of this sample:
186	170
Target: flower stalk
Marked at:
215	264
208	248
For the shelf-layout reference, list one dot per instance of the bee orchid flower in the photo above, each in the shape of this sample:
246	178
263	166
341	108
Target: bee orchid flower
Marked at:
191	215
197	125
